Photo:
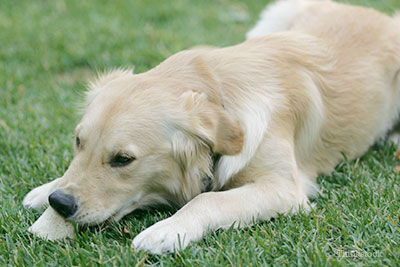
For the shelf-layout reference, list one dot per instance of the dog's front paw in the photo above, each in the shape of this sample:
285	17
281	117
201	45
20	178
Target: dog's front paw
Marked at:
167	235
38	198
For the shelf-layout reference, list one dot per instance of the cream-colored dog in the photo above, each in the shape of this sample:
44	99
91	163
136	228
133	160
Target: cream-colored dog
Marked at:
236	134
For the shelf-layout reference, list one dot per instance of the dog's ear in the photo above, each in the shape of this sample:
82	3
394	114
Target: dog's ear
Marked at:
212	124
99	83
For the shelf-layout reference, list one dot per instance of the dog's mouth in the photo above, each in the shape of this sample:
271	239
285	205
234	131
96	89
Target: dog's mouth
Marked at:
98	216
94	217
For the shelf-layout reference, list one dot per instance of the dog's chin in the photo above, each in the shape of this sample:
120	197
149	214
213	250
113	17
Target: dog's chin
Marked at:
98	217
90	219
120	214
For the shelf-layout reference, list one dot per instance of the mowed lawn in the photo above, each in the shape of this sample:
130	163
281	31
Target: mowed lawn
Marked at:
48	50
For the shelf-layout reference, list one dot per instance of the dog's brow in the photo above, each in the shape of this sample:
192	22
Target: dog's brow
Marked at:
121	151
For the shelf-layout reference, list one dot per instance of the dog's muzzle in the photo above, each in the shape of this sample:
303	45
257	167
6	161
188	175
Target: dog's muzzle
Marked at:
64	204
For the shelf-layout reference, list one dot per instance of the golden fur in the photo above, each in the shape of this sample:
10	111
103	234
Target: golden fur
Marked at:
279	109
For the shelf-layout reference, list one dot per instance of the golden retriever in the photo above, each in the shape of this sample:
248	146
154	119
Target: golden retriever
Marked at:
238	134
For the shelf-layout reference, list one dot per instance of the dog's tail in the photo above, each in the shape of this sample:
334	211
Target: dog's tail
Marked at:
277	17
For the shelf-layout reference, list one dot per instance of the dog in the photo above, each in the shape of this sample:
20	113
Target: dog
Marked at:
233	135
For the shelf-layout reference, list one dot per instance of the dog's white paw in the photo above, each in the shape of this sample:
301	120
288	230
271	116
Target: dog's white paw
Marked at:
38	198
167	235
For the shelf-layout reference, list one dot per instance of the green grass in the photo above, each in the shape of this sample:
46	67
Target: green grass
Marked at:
47	51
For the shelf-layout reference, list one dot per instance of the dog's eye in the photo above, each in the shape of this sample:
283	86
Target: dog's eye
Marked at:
78	142
121	160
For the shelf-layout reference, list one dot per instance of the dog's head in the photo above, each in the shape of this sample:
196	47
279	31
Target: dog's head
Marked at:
143	140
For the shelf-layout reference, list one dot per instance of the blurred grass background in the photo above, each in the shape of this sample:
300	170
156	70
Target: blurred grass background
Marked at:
48	50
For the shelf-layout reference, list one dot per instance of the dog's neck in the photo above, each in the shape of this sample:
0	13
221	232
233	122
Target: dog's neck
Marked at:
208	182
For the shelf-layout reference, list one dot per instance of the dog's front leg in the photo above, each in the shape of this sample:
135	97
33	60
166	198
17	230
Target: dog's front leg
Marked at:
213	210
38	197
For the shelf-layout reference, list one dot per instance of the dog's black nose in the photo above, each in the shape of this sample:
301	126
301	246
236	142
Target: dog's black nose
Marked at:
64	204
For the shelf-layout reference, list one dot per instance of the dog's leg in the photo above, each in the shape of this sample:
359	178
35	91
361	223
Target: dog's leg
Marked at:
213	210
38	197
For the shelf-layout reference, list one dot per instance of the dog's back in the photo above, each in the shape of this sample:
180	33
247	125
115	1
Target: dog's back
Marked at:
361	95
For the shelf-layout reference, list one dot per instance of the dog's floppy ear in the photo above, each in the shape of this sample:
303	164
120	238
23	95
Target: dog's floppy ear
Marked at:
97	85
212	124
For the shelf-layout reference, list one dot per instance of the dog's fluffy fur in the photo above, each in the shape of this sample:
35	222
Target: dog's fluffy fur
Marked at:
256	123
